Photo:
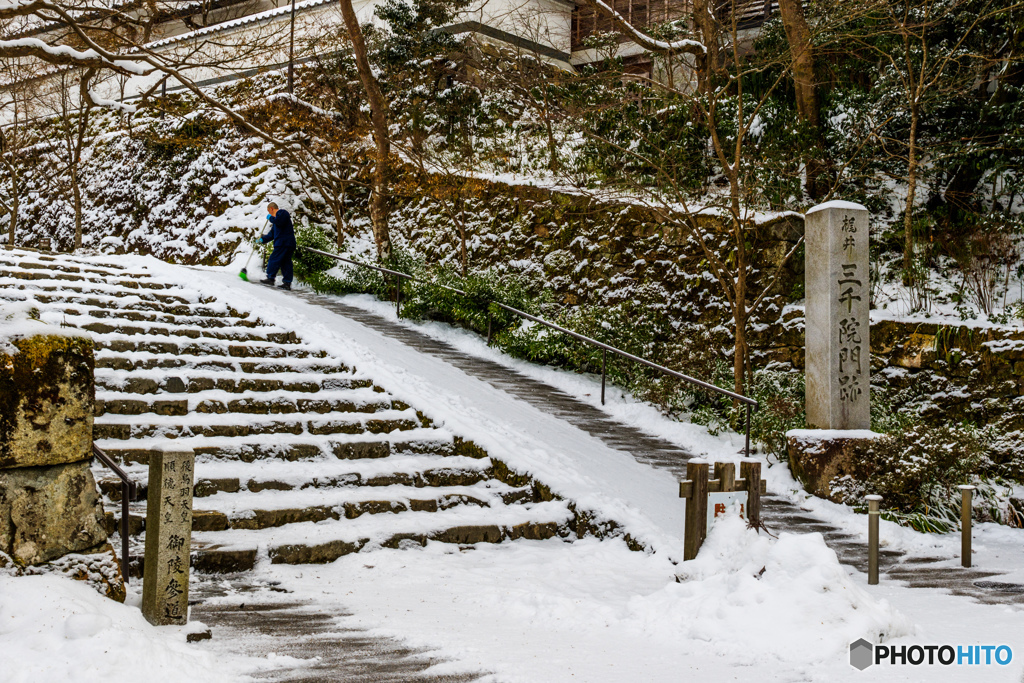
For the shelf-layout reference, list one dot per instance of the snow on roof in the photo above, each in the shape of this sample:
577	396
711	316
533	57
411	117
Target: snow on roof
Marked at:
241	21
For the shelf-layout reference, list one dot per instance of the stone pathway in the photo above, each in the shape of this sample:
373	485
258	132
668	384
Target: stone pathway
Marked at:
779	514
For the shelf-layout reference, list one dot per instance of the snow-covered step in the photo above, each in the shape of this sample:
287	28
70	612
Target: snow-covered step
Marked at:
177	345
103	329
224	476
419	470
320	542
281	402
192	381
70	285
8	265
112	301
290	447
63	263
124	427
144	360
176	320
274	508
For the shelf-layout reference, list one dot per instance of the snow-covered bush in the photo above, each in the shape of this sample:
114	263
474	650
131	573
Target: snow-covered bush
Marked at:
917	471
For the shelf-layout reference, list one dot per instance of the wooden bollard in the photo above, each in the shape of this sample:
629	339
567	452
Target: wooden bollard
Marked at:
168	535
966	509
873	515
750	472
696	508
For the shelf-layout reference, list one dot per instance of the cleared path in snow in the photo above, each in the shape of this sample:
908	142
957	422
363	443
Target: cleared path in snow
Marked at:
779	514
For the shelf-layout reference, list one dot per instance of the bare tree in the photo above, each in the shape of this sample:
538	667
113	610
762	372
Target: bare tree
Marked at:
379	114
71	108
14	138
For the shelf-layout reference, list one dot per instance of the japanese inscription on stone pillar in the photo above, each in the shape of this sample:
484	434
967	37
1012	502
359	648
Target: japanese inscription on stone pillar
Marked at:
838	292
168	535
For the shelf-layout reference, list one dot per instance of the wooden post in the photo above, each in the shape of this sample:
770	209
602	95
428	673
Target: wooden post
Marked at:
966	507
696	508
725	473
873	515
750	472
168	535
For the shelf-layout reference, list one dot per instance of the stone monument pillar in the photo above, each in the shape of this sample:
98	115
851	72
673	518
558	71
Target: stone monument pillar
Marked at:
168	535
838	293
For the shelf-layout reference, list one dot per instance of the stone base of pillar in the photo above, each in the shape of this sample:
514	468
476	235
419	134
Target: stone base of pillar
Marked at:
819	456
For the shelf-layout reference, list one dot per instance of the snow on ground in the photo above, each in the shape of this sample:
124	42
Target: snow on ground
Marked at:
547	611
57	629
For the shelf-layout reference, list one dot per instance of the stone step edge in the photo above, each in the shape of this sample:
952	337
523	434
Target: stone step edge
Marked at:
425	478
230	560
261	518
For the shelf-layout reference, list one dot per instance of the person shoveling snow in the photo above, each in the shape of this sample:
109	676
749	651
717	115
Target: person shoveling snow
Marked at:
283	236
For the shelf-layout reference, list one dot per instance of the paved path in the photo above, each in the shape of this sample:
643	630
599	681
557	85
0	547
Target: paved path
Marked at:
779	514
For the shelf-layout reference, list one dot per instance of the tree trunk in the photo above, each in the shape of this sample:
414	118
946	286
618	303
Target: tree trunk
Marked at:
77	191
908	215
14	221
379	124
798	34
710	63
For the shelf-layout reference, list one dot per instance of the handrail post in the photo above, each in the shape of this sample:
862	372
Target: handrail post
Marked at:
488	326
747	447
398	296
604	358
126	494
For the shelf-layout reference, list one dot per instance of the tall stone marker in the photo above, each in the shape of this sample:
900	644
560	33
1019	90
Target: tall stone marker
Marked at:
838	292
168	535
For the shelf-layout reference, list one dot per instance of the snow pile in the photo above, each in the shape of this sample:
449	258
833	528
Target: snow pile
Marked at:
20	319
56	629
768	595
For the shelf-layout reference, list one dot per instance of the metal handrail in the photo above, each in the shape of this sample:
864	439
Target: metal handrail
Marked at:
750	403
128	493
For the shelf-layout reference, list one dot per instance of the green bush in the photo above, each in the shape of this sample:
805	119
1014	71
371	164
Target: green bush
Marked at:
305	262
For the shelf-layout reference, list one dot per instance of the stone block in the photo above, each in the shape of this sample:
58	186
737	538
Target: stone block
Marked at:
46	400
917	351
47	512
818	456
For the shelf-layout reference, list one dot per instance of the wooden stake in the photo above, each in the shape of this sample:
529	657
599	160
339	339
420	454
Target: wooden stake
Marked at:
696	508
750	472
725	472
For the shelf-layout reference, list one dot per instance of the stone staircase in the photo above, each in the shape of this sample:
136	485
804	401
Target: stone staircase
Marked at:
299	458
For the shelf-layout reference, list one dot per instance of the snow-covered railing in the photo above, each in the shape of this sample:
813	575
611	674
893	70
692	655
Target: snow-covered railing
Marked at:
749	403
128	492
